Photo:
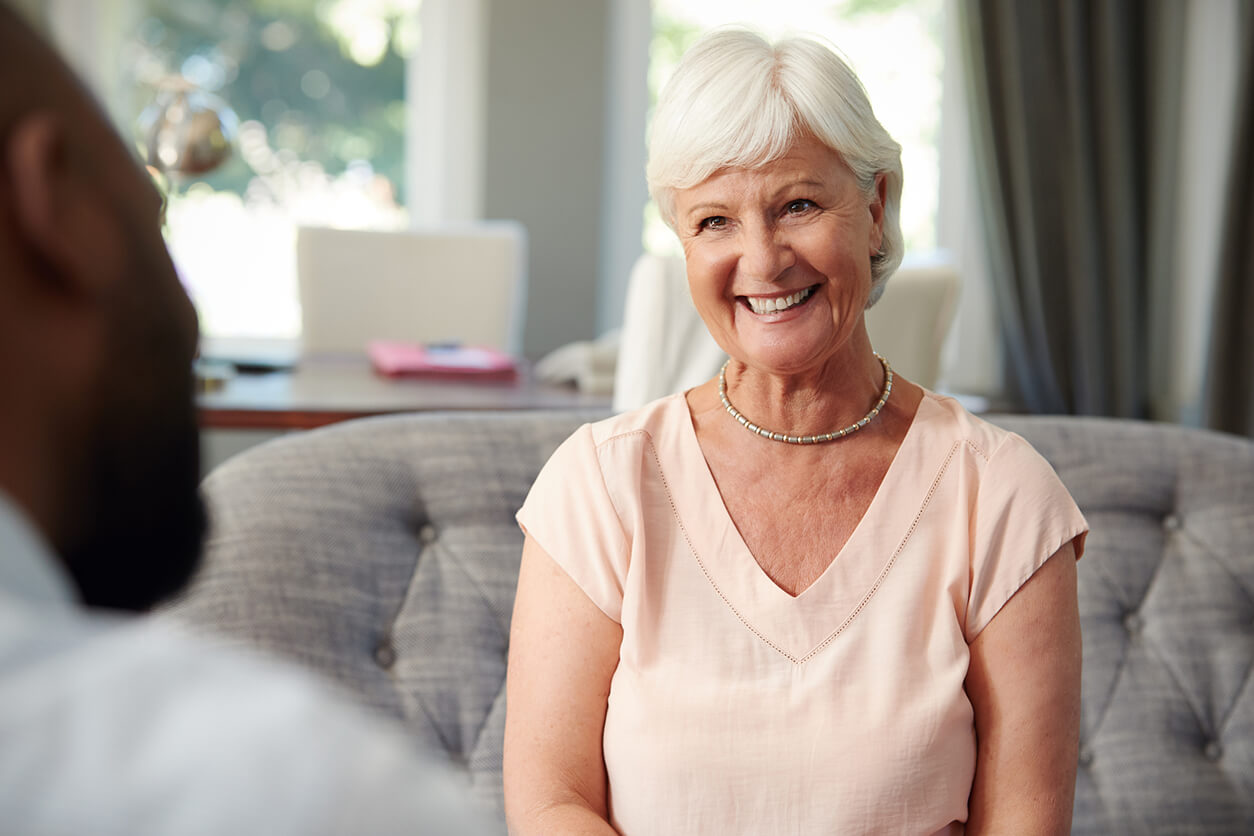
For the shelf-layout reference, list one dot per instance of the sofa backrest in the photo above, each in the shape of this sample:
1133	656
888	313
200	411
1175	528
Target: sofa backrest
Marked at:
383	553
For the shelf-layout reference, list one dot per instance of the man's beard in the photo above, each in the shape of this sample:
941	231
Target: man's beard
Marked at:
144	521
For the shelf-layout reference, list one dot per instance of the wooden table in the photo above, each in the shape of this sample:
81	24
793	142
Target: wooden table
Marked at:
327	390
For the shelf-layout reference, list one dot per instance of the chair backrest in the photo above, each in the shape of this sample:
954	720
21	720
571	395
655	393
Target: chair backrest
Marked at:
909	323
665	348
464	284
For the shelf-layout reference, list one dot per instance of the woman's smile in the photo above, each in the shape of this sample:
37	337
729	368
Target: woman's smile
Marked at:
767	306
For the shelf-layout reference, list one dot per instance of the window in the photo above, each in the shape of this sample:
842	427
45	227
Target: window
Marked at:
893	45
318	89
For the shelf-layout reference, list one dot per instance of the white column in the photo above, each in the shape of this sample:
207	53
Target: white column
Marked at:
1208	99
625	195
971	358
446	98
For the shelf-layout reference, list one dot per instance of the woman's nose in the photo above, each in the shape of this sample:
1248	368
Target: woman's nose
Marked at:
765	254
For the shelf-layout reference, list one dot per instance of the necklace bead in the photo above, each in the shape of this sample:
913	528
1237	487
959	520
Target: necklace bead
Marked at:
807	439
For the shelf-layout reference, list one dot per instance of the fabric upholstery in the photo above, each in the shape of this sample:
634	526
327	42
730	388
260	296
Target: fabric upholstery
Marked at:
383	553
1167	610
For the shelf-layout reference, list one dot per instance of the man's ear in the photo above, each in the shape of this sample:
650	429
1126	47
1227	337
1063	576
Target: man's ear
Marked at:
48	196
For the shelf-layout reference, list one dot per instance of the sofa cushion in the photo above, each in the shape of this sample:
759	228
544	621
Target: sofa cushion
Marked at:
1167	611
384	553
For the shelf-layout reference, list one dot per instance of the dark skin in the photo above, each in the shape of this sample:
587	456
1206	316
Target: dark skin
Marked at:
97	426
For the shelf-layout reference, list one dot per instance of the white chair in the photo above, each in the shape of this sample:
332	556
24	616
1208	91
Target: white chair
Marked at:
909	323
664	347
464	284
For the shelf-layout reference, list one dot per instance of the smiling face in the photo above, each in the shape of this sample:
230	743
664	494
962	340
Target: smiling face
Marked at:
779	259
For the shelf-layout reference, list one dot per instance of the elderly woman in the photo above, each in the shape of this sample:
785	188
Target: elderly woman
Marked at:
807	596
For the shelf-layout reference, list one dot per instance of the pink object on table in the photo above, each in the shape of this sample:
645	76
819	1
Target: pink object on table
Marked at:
397	358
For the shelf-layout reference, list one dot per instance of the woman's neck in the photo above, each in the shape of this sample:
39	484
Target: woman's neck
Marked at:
827	398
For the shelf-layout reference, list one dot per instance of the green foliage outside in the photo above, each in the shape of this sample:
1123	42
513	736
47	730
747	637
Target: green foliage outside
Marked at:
326	78
854	8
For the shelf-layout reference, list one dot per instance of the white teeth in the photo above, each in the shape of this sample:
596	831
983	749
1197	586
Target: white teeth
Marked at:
763	305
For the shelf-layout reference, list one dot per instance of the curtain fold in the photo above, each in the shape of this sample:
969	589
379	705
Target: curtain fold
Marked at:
1074	106
1230	372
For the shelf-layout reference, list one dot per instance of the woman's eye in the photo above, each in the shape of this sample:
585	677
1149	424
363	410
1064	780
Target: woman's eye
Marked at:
715	222
796	207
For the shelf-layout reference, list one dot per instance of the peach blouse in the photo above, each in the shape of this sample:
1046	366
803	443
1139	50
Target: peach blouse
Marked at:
738	708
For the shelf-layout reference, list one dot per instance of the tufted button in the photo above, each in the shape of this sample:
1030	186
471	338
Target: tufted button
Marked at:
1133	623
385	655
427	534
1213	751
1086	757
1171	522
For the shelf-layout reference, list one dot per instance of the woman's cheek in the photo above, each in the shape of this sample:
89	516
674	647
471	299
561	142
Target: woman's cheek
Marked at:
709	273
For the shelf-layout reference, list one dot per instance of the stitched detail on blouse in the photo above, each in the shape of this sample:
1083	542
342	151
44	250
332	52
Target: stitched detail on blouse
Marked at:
624	540
979	450
914	524
670	498
627	434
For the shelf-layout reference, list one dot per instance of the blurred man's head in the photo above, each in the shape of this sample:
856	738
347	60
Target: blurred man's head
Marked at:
98	436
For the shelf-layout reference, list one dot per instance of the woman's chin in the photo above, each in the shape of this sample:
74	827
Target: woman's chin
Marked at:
785	345
785	360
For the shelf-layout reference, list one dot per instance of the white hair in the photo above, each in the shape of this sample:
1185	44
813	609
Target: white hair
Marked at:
737	101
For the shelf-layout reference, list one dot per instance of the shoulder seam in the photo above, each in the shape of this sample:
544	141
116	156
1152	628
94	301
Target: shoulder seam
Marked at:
625	434
624	538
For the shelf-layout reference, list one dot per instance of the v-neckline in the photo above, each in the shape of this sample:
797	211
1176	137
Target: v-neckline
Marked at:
795	624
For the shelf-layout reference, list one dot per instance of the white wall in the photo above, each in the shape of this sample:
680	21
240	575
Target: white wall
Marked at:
517	110
626	192
545	154
446	112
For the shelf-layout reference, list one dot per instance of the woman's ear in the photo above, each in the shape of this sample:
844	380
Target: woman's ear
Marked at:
879	198
50	203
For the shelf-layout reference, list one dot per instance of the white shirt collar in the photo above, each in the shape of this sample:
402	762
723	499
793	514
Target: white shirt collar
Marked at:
29	571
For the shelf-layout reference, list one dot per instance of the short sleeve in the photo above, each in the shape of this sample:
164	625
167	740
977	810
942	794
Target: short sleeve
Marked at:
569	514
1023	515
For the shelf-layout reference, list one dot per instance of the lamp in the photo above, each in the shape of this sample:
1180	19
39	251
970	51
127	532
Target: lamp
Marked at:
187	132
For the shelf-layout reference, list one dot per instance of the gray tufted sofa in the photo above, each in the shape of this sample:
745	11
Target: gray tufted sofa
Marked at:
383	553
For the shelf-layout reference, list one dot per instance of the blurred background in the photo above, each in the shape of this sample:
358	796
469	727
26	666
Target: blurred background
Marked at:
387	114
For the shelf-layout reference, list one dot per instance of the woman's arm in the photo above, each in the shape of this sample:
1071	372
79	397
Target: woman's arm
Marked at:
1024	684
562	655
